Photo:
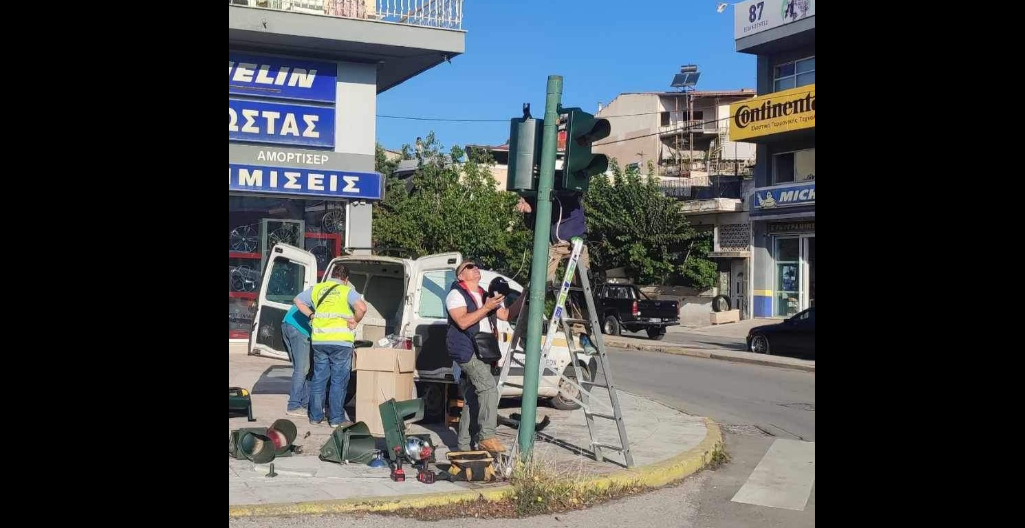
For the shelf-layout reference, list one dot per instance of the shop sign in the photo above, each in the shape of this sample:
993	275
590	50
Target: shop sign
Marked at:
280	123
791	227
785	196
755	16
302	182
293	157
282	78
782	111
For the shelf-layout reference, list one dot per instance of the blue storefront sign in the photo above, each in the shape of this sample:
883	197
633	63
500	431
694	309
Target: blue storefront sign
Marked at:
281	78
280	123
785	196
305	182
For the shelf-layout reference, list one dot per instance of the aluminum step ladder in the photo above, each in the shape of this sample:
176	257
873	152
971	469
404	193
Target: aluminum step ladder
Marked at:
593	329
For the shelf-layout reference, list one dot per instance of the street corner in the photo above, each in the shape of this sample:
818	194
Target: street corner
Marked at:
680	466
307	485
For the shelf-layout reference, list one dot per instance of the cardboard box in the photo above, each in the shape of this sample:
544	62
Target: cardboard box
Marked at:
381	374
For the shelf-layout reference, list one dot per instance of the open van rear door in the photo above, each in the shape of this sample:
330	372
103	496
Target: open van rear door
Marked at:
433	276
289	272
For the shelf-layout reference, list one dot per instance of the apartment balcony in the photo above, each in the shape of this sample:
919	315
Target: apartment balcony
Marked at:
686	127
403	37
447	14
708	194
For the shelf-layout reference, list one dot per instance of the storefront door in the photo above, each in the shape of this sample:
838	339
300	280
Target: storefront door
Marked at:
795	275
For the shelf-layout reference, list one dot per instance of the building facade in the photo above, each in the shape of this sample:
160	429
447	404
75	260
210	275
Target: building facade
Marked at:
303	80
781	122
683	139
658	127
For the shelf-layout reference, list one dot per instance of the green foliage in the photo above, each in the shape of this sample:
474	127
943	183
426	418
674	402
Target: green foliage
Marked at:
451	203
631	223
698	271
453	207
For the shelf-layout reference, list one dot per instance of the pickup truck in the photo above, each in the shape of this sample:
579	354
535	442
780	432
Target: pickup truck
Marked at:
405	299
624	307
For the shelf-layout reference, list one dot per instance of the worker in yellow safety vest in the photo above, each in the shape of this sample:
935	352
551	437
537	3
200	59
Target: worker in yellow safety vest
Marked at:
334	308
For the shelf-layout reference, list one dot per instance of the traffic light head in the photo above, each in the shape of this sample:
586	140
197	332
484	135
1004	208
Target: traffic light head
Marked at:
524	154
580	164
352	443
282	433
393	417
252	444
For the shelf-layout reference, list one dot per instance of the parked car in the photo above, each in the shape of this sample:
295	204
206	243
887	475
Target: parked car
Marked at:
624	307
794	336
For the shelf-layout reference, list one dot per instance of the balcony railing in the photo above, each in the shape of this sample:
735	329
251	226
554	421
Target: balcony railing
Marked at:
445	14
696	126
713	187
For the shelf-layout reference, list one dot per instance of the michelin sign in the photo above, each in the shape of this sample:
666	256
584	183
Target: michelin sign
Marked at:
785	196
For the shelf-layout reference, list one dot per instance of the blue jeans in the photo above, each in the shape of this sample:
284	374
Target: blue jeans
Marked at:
298	347
334	361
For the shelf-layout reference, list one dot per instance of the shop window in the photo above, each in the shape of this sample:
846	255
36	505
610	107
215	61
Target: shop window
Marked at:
793	74
799	166
255	224
433	291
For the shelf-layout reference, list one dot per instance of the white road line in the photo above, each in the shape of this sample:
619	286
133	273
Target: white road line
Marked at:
783	478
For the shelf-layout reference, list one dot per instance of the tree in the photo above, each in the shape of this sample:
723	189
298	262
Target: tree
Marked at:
631	223
453	206
699	271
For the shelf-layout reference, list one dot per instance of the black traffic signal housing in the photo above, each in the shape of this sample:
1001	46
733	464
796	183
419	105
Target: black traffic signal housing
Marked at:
579	163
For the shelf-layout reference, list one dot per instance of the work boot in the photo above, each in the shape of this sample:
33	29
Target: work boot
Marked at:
492	445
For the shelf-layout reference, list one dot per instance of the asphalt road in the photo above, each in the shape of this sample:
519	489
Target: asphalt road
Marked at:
780	401
756	407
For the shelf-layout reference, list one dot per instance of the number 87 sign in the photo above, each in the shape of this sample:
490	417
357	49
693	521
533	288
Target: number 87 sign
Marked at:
756	16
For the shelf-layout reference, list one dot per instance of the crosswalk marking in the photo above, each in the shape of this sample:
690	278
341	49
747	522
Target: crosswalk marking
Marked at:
783	478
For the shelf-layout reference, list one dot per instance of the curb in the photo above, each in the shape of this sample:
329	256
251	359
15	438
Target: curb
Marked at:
652	475
707	354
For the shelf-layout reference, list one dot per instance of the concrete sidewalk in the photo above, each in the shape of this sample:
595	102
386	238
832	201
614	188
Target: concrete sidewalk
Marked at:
648	345
666	444
738	329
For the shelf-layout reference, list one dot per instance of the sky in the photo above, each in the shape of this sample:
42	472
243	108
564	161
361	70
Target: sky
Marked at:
600	47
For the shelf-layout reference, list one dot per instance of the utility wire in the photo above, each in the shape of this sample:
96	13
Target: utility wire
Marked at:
684	129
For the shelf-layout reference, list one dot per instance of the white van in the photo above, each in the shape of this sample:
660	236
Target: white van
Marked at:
405	298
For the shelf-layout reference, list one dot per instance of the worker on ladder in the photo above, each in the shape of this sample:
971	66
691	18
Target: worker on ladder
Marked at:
568	221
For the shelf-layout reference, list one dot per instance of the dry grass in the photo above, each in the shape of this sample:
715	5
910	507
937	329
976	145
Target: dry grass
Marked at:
539	486
717	457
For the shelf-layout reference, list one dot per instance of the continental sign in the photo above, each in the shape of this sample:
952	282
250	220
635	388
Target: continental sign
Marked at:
777	112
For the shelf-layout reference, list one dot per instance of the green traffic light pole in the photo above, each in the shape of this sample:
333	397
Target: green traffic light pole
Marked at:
539	266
